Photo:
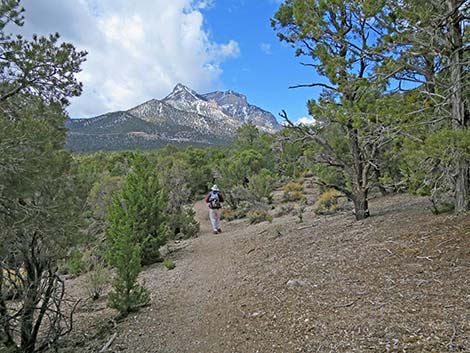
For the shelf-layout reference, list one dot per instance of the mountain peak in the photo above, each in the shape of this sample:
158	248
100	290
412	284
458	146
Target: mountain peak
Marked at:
183	117
179	87
182	92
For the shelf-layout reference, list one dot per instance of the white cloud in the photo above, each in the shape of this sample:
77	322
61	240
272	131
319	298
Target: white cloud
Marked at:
306	121
266	48
204	4
138	50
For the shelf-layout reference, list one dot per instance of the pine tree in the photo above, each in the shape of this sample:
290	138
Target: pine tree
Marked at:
39	201
124	255
429	40
136	229
340	39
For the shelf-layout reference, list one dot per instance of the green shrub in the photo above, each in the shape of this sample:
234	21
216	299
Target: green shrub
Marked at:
169	264
300	213
240	212
327	203
293	186
278	231
293	192
191	229
228	214
141	205
136	227
284	210
443	207
292	196
258	216
77	262
243	209
185	222
126	303
124	254
261	186
97	280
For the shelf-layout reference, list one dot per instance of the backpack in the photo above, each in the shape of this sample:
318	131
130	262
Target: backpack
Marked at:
214	201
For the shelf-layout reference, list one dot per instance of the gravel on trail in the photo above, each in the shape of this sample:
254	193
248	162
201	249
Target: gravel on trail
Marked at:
398	281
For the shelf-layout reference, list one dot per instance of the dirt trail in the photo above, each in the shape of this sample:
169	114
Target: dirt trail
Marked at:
398	281
188	302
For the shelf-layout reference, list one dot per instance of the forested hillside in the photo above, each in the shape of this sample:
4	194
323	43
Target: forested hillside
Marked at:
370	198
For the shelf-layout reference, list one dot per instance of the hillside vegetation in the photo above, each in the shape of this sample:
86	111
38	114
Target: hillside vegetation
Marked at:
396	281
350	234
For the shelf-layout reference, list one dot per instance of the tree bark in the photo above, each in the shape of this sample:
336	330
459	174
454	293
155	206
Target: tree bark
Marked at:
361	204
457	103
5	330
360	177
28	342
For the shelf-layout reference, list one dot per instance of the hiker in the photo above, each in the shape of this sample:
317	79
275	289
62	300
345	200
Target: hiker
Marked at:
214	200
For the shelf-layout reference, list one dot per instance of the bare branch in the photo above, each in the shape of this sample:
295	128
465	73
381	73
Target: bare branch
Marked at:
315	85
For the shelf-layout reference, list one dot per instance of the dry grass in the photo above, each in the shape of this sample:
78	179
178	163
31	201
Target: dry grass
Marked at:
398	281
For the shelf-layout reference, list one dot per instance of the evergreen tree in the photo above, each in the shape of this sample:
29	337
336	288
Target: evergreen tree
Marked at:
142	204
40	211
342	39
124	254
429	40
42	66
175	182
39	202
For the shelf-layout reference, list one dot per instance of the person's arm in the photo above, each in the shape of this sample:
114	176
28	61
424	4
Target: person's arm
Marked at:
207	198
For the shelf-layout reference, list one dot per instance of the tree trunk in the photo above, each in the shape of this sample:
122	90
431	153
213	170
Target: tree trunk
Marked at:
360	177
461	186
457	103
361	204
28	341
5	330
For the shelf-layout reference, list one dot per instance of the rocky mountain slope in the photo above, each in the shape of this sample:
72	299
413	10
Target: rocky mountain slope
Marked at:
184	117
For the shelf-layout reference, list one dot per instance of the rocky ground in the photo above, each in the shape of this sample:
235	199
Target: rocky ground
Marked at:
398	281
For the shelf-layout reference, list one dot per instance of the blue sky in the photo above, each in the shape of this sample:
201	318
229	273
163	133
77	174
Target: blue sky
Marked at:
265	67
139	50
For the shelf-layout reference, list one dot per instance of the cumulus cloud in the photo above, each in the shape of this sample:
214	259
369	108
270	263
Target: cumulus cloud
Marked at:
138	50
306	121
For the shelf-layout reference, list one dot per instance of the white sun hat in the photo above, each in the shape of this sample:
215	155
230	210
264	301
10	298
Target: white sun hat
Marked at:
215	188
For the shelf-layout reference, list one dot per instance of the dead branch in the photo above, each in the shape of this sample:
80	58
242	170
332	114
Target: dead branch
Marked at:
429	258
109	343
305	227
348	304
315	85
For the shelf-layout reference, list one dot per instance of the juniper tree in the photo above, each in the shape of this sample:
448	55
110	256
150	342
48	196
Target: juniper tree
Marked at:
142	204
124	254
39	202
175	179
341	39
42	66
137	227
429	40
39	214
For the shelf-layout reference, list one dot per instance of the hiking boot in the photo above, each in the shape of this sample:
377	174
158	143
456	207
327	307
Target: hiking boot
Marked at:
219	230
216	232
